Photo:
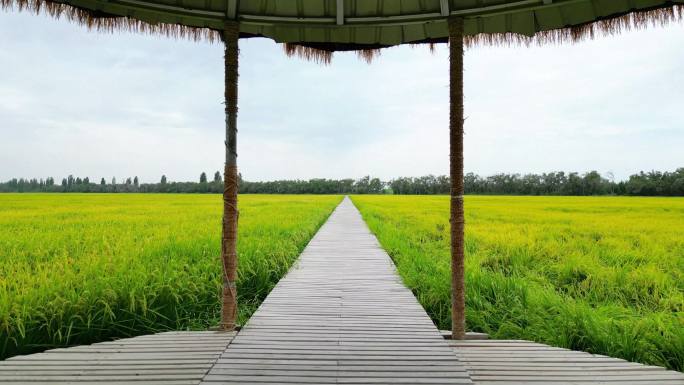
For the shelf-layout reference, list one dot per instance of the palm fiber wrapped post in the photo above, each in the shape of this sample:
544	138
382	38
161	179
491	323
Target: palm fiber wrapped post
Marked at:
230	180
456	171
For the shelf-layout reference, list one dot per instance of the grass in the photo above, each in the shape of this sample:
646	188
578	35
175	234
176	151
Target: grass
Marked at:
600	274
79	268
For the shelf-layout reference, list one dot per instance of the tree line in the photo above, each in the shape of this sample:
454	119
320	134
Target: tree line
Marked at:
653	183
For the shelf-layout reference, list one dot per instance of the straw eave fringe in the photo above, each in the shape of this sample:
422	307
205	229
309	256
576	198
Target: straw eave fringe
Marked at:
636	20
109	23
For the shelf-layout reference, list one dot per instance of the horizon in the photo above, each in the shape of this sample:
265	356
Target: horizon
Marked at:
136	104
210	176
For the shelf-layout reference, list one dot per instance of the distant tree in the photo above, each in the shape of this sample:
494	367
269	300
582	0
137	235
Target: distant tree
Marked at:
129	181
362	185
86	180
678	183
375	186
163	180
102	182
593	184
136	182
574	185
114	181
203	177
217	177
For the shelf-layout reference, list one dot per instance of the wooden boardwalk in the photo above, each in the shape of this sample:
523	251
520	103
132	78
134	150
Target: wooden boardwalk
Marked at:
510	362
342	316
173	358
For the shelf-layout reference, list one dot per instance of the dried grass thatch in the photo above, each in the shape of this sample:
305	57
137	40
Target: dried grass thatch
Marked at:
605	27
323	52
104	22
610	26
307	53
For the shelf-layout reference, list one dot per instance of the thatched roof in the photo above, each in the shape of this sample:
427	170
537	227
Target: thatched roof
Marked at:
316	28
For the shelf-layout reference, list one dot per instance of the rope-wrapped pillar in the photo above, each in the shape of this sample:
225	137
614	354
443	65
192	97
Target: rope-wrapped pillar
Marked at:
456	172
230	181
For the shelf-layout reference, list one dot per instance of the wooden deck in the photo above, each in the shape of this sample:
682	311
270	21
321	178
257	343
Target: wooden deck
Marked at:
341	315
510	362
174	358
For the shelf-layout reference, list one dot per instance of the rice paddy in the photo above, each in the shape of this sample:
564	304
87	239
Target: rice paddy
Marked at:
600	274
79	268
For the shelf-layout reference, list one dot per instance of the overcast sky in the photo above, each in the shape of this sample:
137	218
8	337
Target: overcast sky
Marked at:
92	104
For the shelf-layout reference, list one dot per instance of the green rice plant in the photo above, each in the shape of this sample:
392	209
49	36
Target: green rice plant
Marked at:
81	268
600	274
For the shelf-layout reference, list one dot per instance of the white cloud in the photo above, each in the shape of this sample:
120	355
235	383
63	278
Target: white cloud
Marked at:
90	104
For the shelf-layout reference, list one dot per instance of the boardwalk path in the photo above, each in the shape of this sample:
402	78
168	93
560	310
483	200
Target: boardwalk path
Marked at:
341	315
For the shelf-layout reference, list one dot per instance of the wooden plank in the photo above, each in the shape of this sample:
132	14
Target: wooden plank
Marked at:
178	358
503	362
107	382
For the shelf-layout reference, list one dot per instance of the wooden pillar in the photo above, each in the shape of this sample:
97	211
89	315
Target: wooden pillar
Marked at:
230	180
456	172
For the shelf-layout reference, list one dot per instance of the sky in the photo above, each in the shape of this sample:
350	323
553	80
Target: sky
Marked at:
79	102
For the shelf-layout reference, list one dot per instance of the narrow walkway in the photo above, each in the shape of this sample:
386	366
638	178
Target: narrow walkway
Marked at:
341	315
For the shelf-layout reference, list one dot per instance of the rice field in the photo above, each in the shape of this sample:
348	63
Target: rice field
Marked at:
79	268
600	274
